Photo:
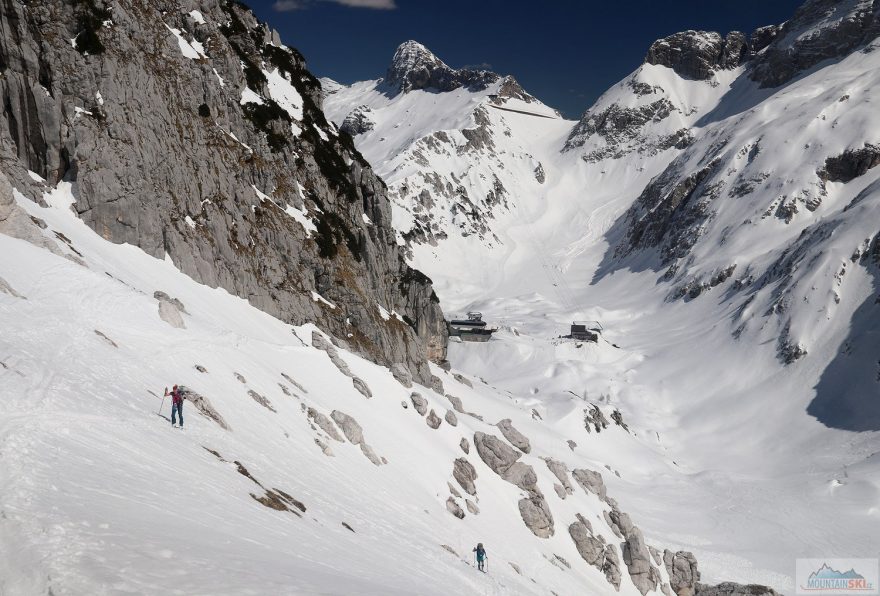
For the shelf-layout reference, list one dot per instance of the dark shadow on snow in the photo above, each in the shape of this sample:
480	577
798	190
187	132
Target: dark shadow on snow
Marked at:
848	393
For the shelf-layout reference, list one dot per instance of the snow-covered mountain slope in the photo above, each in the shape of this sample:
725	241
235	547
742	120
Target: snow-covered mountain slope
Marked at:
720	229
302	468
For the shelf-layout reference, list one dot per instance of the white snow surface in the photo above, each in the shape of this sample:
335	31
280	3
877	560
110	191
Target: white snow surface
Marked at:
739	471
100	495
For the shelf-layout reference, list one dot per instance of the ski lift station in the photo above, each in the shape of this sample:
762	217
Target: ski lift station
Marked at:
586	330
473	328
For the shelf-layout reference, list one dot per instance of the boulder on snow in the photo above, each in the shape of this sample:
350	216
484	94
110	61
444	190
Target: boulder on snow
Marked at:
350	428
453	508
456	403
371	455
437	384
495	453
453	491
240	378
419	403
163	297
612	524
401	374
261	400
464	445
451	418
433	420
355	434
560	491
462	379
362	387
516	438
203	405
682	570
571	444
465	474
324	423
561	472
591	549
536	515
612	566
523	476
322	343
591	481
638	561
171	315
471	507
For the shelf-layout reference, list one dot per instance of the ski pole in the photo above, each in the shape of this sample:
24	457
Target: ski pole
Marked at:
163	402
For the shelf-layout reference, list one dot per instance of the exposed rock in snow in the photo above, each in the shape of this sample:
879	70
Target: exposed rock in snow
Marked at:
594	417
102	336
462	379
818	31
697	54
163	297
324	423
850	164
358	121
402	374
261	400
362	387
465	474
453	508
516	438
433	420
451	418
591	549
561	472
350	428
590	481
638	561
419	403
496	454
612	566
203	405
682	570
522	475
536	515
471	507
456	403
464	445
322	343
170	310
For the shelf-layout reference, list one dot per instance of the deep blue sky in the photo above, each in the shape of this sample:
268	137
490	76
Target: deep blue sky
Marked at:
565	52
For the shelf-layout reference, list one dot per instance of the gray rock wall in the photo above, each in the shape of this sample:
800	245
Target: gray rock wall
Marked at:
151	138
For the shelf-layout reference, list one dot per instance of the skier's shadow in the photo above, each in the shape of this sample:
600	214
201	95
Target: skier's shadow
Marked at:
164	416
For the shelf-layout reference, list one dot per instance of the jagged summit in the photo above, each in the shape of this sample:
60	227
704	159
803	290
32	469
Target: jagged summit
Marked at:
415	67
697	54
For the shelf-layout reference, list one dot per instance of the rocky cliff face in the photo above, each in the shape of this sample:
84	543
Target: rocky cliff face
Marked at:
189	130
697	54
819	30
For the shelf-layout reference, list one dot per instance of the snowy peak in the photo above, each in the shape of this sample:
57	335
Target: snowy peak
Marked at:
415	67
